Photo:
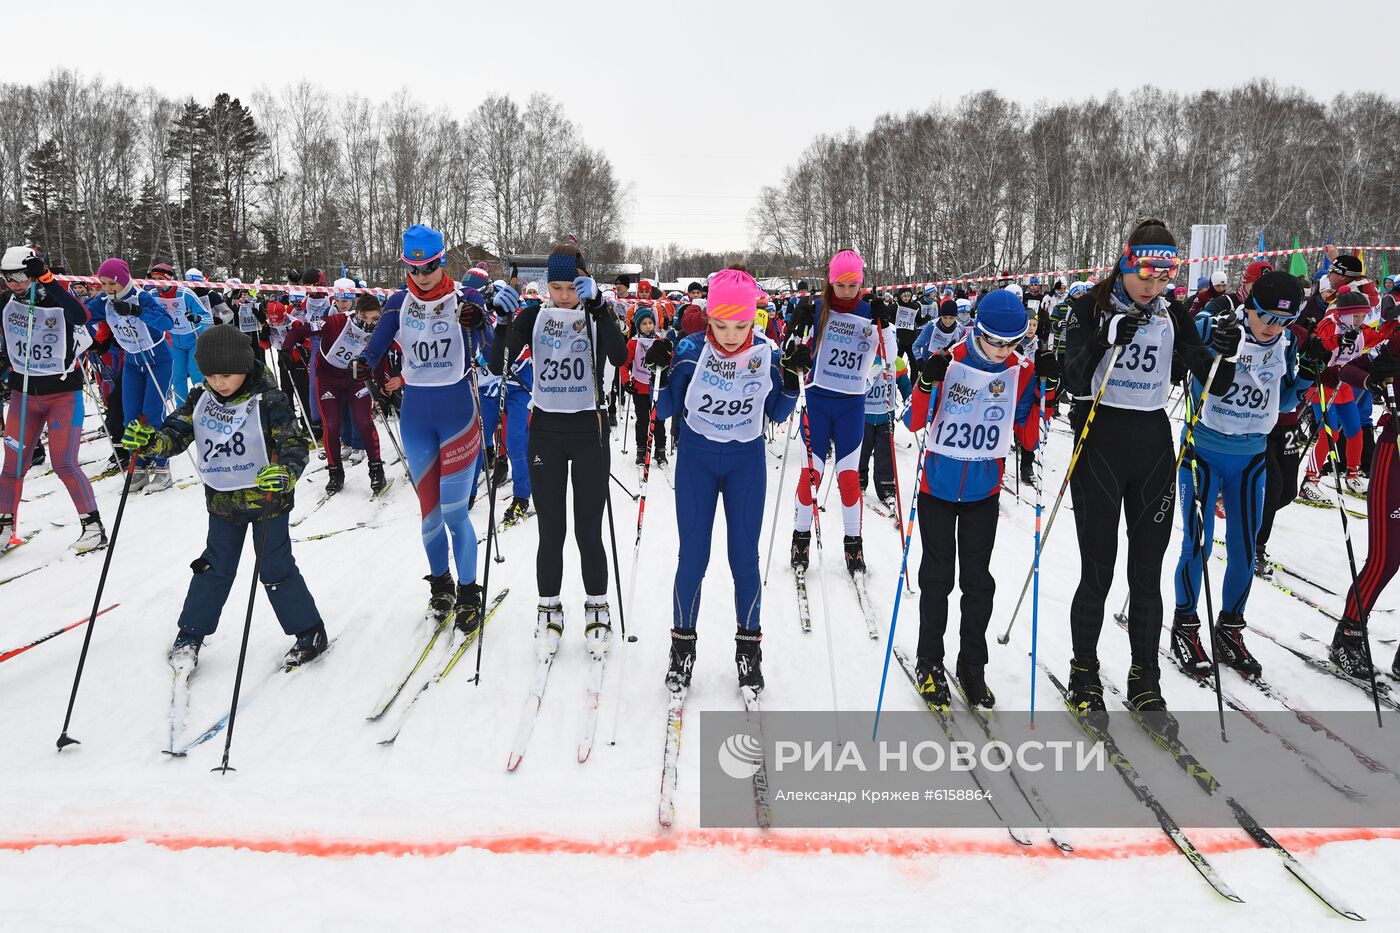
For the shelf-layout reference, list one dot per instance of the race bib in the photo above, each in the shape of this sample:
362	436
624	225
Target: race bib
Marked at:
725	398
1141	377
879	396
976	414
230	449
1250	404
905	317
317	308
434	347
36	347
247	319
640	373
844	353
131	333
349	344
563	367
175	307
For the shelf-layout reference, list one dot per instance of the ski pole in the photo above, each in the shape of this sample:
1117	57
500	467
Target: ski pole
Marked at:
398	448
637	544
894	461
1042	436
13	652
1005	637
63	738
490	530
778	500
626	417
817	534
623	486
260	544
96	396
20	449
904	561
1351	554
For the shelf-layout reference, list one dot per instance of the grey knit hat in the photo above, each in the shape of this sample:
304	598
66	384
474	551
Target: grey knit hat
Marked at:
223	350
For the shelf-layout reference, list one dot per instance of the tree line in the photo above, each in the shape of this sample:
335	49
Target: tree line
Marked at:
289	179
987	184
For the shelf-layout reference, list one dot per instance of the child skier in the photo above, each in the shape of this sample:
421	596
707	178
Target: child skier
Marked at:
636	382
723	383
1228	456
441	419
941	333
45	337
344	335
840	339
570	339
249	452
879	417
978	396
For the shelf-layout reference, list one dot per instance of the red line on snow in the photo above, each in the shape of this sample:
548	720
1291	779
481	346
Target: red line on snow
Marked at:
738	841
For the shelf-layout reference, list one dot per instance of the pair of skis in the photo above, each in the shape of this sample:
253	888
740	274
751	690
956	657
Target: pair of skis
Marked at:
588	722
671	754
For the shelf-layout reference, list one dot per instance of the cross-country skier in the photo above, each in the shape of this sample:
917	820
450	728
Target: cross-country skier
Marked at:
569	338
1122	338
249	451
1227	458
636	382
983	395
879	404
723	383
188	319
441	420
45	336
840	336
942	332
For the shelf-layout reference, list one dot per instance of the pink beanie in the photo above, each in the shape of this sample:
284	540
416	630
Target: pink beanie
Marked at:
115	269
733	295
846	266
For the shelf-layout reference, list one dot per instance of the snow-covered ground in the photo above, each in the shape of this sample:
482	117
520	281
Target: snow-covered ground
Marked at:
322	828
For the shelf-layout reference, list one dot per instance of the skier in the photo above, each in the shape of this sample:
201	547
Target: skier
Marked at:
45	336
1343	333
636	378
840	342
441	419
344	334
570	338
188	319
992	389
250	453
879	403
138	320
723	383
1227	456
1127	458
908	318
1288	442
941	333
249	317
516	412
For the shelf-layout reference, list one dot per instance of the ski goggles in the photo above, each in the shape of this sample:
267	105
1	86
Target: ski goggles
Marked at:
1273	317
1001	343
19	278
426	268
1149	262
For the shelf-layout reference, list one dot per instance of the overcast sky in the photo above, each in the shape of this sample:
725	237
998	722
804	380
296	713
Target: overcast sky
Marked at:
700	104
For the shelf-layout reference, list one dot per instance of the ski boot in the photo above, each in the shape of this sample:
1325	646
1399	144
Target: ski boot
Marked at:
1311	492
886	498
40	455
1348	649
158	480
855	554
1355	484
1262	568
801	549
139	478
443	596
184	652
377	482
1230	648
748	657
500	472
932	684
549	628
1145	696
466	609
612	416
974	686
516	511
7	528
310	644
335	480
1187	650
1085	692
682	660
661	460
597	628
1027	474
641	458
94	536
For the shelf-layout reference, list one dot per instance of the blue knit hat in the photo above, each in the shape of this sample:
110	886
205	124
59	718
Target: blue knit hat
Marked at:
422	245
1002	315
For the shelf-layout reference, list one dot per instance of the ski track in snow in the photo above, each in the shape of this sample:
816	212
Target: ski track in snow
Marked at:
310	776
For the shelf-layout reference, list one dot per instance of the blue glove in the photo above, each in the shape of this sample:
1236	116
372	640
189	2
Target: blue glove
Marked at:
506	300
586	288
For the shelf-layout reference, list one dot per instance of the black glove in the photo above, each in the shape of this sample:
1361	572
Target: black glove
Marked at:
1047	366
797	357
881	312
659	353
359	369
1347	339
933	370
471	317
1119	329
804	315
126	308
1225	334
630	389
192	317
1312	357
36	268
1384	367
1391	313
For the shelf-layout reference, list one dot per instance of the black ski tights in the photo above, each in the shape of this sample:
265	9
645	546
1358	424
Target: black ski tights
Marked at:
1126	467
550	454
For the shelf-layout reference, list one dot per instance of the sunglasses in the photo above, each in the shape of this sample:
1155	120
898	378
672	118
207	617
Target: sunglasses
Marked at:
19	278
1269	317
1001	343
427	268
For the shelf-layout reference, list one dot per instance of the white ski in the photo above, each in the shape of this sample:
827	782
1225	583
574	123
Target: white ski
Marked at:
670	760
531	711
593	693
